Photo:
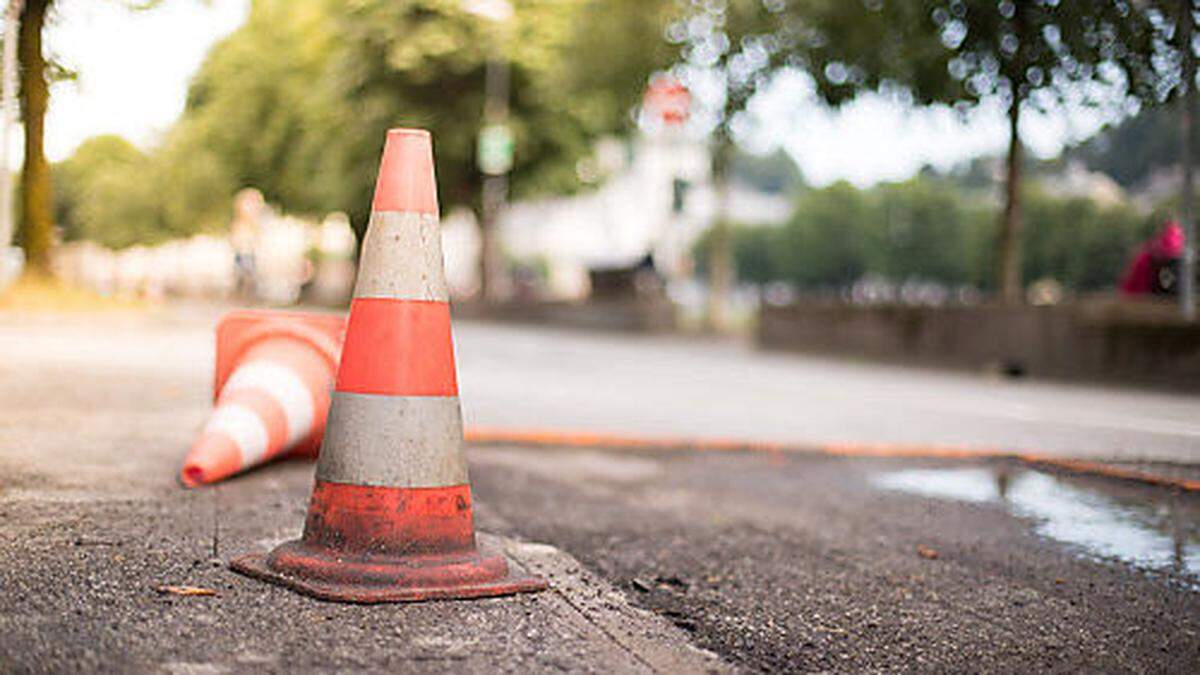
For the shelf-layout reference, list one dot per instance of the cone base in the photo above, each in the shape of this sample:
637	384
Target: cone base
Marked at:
337	579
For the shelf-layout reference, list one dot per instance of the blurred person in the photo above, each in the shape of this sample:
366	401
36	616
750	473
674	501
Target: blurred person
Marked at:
1154	269
243	235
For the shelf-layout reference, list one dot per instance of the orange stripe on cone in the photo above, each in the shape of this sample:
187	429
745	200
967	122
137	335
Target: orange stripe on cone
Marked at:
406	181
416	520
398	348
390	516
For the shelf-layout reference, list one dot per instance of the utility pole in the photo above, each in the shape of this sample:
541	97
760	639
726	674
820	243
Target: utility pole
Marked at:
1187	216
494	149
8	101
495	152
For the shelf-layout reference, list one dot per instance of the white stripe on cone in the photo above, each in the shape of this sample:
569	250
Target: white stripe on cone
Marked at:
244	426
402	258
394	441
285	386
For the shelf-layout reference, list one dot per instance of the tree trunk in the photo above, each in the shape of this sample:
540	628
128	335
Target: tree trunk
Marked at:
1187	216
1009	280
720	252
8	100
37	222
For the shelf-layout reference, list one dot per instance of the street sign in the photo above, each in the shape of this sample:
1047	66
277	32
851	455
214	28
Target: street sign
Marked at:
494	152
668	100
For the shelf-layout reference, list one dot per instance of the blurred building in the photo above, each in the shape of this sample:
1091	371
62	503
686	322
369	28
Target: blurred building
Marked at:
653	196
291	255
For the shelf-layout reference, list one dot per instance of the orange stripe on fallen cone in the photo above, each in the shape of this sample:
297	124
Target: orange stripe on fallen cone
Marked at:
398	348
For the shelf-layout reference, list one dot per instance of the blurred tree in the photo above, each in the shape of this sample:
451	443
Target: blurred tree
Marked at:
296	102
754	253
926	232
733	44
1134	149
1079	243
928	229
103	195
112	193
36	229
833	239
1025	52
259	111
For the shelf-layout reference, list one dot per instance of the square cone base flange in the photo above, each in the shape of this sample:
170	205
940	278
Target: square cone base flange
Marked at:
255	565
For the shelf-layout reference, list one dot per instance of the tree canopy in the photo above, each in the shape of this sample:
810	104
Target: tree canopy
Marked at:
1132	150
297	101
930	229
962	52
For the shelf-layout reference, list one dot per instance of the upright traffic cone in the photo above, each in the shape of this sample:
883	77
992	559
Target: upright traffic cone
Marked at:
271	391
390	517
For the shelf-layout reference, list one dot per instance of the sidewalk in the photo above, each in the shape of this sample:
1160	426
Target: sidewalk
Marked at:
93	525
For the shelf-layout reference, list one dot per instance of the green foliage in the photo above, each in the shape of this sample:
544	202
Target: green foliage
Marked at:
1133	150
831	239
103	194
1078	242
961	51
297	101
928	229
754	253
112	193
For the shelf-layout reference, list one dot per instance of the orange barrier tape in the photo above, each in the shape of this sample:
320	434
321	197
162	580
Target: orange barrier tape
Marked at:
577	439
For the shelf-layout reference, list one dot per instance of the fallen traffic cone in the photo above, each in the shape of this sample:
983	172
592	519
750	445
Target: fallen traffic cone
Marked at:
271	391
390	516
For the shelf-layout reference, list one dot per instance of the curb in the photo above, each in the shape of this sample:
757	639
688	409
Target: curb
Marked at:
605	441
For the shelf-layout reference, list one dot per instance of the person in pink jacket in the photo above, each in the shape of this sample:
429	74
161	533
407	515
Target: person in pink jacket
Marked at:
1152	269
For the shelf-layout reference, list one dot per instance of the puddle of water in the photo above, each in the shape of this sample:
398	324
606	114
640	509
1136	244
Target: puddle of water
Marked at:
1159	534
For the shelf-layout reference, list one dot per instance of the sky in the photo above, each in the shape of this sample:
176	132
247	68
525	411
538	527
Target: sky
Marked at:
134	68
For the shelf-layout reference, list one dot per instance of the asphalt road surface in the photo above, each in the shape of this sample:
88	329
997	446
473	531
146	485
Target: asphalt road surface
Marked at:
513	376
659	561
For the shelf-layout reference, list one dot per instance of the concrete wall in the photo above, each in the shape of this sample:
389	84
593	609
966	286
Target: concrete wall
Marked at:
1104	340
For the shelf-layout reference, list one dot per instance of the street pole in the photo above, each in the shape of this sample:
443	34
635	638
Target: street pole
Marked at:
495	183
1187	216
8	99
720	251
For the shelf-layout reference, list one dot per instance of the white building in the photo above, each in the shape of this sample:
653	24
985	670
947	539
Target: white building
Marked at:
629	215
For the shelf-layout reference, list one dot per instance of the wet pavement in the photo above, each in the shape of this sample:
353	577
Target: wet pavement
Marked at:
1157	530
809	563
